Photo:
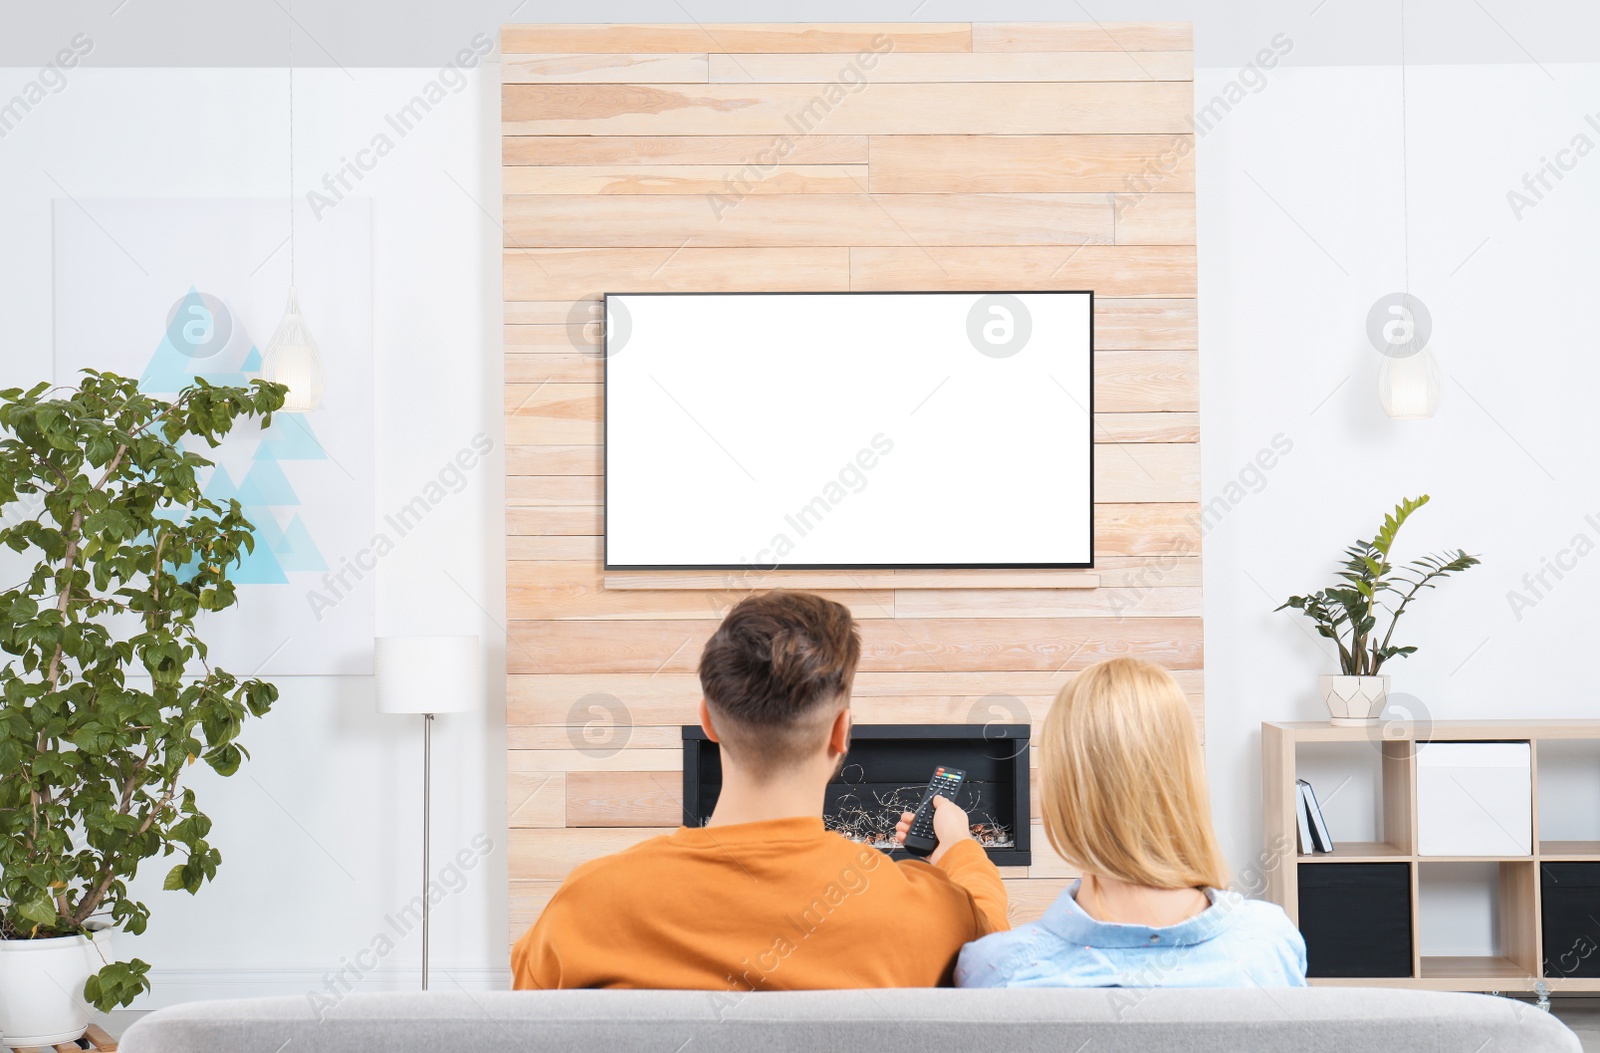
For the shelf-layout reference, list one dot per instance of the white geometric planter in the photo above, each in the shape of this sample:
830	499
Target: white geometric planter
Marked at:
1354	699
41	987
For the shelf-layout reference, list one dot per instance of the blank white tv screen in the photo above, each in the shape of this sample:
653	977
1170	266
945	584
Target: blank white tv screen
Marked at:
848	430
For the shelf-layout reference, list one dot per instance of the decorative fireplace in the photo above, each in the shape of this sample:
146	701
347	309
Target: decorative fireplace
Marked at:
885	773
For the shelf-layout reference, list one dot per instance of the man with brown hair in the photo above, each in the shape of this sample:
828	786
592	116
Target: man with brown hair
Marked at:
763	897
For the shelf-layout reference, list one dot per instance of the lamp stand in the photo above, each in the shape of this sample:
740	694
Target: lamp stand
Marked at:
427	804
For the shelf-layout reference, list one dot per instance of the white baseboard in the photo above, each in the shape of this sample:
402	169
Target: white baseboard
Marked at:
173	986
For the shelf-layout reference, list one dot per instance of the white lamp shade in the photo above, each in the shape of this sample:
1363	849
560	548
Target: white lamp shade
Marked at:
428	674
1410	387
291	358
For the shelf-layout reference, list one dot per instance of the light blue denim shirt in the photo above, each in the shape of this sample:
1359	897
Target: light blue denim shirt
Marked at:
1235	942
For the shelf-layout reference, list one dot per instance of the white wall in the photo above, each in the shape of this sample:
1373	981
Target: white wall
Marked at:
1300	231
320	832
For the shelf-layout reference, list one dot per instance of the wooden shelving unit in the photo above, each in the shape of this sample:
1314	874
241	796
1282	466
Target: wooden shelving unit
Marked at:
1519	965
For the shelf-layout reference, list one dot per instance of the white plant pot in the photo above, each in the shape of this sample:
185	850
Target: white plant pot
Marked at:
41	987
1354	699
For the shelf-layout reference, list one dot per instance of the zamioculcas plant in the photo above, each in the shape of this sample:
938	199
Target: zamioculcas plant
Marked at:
106	695
1348	614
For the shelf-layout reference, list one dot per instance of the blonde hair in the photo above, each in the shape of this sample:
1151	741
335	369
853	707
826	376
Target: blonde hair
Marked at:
1123	785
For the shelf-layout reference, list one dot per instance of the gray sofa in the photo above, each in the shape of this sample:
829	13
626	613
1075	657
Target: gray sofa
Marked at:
1306	1020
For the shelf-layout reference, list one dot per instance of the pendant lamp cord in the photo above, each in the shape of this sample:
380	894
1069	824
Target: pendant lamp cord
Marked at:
290	12
1405	173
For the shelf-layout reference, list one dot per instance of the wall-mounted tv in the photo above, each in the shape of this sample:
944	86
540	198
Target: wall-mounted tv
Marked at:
763	431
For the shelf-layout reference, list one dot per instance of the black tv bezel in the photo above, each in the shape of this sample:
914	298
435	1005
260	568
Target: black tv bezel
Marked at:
605	439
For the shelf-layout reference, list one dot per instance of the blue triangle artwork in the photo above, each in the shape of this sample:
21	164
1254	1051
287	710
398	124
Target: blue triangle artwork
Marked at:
204	339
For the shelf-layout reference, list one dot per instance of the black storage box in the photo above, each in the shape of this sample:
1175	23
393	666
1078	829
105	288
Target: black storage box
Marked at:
1356	919
1570	893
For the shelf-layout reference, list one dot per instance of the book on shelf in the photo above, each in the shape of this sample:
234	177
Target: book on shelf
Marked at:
1303	821
1314	836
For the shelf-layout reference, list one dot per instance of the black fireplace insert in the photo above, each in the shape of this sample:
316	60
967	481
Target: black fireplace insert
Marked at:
885	772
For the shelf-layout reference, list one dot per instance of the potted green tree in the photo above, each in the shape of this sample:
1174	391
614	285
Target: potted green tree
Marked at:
1348	615
106	695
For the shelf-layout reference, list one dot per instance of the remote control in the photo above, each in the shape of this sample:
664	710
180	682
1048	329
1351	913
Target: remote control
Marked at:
920	839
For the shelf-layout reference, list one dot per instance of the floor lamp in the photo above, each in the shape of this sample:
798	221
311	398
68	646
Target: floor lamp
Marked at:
427	675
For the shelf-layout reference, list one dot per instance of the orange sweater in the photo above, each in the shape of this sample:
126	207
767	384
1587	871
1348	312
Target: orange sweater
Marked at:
777	905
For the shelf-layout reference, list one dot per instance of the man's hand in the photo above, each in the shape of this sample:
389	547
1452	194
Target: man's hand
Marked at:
950	824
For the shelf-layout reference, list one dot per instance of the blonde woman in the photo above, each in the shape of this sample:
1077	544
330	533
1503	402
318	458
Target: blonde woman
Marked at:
1123	791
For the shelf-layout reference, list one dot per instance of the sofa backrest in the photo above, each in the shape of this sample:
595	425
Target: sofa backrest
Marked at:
1116	1020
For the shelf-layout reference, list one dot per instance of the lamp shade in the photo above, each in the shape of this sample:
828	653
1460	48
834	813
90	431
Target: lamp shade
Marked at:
428	674
291	358
1410	387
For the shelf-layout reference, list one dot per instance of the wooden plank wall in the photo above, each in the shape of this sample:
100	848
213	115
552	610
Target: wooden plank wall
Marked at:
832	157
